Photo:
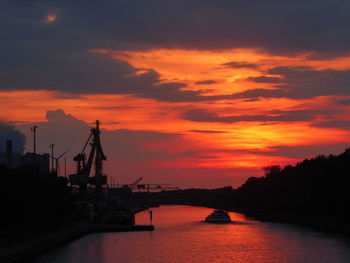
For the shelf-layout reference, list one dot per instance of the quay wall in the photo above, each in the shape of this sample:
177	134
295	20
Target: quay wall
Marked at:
25	251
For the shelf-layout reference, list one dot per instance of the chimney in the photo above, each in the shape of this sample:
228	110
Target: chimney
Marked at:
9	153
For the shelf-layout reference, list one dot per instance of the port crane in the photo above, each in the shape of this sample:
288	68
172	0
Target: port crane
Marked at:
82	177
134	184
155	187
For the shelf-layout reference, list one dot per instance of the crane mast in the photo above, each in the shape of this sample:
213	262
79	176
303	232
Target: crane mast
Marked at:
82	177
132	185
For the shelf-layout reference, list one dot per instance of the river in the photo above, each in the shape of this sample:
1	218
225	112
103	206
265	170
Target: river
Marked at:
181	236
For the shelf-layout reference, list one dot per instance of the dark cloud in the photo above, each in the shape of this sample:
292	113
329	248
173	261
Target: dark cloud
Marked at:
264	79
87	72
37	55
210	81
328	55
242	64
334	124
277	26
206	131
171	92
302	83
201	115
303	151
254	94
9	132
345	102
306	82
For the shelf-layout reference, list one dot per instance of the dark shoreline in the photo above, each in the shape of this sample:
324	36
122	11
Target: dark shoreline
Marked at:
29	250
326	225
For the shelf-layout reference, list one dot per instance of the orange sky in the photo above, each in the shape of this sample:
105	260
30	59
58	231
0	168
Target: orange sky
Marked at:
220	145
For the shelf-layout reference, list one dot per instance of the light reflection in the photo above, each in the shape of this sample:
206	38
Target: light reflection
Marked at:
182	236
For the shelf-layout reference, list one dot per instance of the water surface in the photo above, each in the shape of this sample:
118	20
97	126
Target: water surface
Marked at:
182	236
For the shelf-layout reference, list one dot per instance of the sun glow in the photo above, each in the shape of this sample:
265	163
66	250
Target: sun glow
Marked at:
50	18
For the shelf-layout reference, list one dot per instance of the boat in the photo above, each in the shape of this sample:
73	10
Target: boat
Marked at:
218	216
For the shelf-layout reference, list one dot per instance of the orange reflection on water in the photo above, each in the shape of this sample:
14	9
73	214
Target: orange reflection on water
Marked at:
181	236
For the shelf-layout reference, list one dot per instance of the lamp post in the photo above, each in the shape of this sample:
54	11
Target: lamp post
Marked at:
33	130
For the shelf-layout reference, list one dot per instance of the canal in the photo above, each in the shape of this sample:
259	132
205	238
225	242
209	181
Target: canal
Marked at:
182	236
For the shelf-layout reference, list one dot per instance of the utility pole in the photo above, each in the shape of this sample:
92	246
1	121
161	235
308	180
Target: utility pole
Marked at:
33	130
52	161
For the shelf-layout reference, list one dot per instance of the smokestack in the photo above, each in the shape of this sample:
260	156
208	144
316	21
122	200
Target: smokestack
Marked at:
9	132
9	153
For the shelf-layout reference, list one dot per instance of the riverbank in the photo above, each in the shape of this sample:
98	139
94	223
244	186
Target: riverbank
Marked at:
327	225
322	224
24	251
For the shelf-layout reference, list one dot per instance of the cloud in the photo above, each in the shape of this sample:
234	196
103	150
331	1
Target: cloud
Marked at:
303	151
9	132
264	79
68	132
345	102
204	82
207	131
241	64
304	82
301	83
201	115
56	56
334	124
91	73
199	24
171	92
67	120
134	153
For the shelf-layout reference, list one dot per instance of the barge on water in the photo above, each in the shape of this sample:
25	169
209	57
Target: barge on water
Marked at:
218	216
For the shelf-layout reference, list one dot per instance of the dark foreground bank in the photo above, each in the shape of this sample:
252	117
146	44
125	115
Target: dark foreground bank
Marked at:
24	251
39	213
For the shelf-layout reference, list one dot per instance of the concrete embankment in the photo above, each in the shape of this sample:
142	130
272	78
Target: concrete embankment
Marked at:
120	228
25	251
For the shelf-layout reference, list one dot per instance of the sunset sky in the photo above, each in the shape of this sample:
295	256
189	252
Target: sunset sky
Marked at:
192	93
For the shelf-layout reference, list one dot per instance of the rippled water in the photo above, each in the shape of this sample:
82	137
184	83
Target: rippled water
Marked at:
182	236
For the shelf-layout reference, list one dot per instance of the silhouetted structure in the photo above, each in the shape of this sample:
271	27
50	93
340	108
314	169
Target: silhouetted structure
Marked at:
10	159
9	153
13	160
41	161
82	177
31	202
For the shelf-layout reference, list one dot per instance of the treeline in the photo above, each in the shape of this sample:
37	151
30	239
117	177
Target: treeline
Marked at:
31	202
317	187
218	198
